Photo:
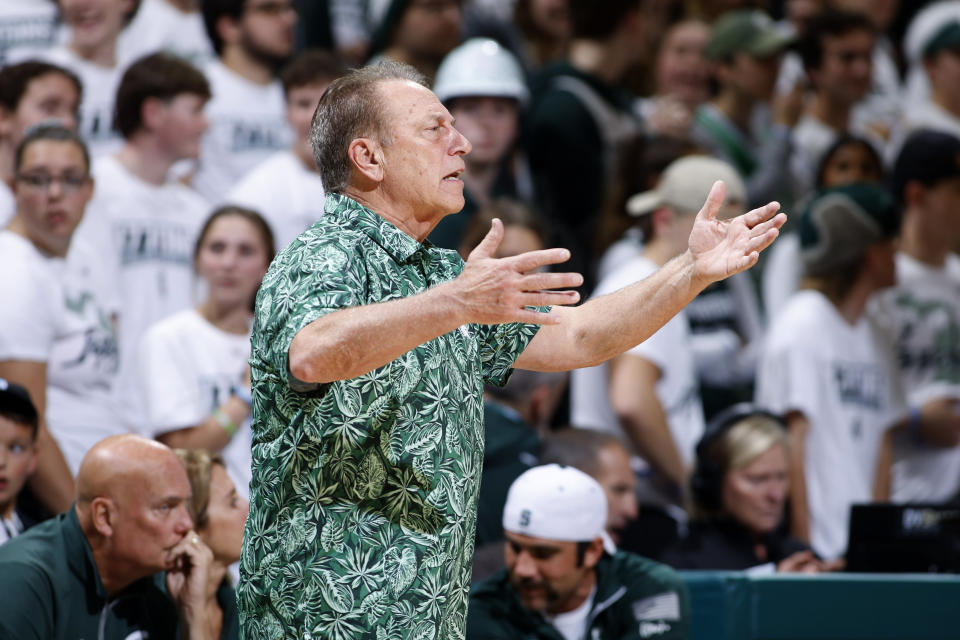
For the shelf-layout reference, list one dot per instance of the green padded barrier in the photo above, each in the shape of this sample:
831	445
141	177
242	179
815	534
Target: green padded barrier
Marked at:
734	606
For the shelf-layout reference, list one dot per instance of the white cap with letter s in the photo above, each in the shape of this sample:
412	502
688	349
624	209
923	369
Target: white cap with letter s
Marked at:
557	502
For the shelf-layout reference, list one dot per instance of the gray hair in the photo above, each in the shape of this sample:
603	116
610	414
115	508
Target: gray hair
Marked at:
352	108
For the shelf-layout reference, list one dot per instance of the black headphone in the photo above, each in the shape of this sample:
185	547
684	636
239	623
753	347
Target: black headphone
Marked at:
707	480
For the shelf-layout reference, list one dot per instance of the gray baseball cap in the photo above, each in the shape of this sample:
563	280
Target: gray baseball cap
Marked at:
840	223
685	184
748	30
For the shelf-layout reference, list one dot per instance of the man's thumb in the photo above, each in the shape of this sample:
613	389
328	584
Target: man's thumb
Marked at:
488	246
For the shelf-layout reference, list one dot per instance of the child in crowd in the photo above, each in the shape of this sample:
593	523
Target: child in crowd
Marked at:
18	453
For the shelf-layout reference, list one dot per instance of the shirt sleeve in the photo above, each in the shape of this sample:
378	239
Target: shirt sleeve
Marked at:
501	345
169	384
27	318
28	600
318	277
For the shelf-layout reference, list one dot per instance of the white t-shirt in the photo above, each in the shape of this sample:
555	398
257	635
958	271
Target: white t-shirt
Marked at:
921	315
247	125
287	194
572	625
160	26
99	95
187	368
26	24
668	349
147	234
8	205
59	311
841	378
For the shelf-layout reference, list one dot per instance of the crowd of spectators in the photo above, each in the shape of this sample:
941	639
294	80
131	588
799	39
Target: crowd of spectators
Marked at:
156	154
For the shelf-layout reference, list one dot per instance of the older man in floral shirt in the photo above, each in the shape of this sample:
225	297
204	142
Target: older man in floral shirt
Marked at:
370	349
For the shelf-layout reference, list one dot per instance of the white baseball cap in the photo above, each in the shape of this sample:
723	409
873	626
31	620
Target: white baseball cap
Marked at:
557	502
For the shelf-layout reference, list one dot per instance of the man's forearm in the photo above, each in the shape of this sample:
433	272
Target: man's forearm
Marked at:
609	325
351	342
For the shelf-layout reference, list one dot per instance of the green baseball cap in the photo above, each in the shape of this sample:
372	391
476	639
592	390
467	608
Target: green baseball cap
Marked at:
748	31
946	37
841	222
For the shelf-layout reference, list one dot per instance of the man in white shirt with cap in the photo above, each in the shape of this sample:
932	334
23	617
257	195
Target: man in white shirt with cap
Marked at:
564	580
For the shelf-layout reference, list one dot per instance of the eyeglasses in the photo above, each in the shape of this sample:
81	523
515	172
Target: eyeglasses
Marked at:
270	8
69	183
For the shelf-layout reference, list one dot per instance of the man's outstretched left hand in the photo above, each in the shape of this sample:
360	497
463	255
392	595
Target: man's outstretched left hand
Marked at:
720	248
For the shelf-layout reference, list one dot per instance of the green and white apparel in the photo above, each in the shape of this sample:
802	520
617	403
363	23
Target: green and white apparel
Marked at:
635	598
57	311
52	591
364	492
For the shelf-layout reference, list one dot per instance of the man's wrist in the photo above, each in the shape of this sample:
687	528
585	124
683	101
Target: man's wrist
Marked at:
447	302
689	274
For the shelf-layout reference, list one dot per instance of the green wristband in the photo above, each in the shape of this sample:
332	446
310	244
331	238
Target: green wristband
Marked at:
225	422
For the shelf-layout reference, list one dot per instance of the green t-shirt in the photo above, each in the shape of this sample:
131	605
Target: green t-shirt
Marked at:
50	589
364	491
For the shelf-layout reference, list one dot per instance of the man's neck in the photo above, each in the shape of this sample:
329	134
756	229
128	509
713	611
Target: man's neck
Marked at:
102	54
854	304
579	595
143	157
832	113
238	60
736	106
601	59
403	218
924	242
114	575
658	252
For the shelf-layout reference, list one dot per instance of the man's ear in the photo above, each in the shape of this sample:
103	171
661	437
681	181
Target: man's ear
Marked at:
366	155
593	553
103	514
660	218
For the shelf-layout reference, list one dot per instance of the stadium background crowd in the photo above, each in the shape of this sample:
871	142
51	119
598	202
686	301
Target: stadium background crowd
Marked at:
156	154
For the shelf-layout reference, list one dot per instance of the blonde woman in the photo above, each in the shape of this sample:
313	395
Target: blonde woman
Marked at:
739	489
219	515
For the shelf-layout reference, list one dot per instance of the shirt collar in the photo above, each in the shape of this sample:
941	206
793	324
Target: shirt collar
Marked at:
81	562
400	246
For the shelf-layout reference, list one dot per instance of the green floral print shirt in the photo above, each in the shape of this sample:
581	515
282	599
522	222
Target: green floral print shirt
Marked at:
364	493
